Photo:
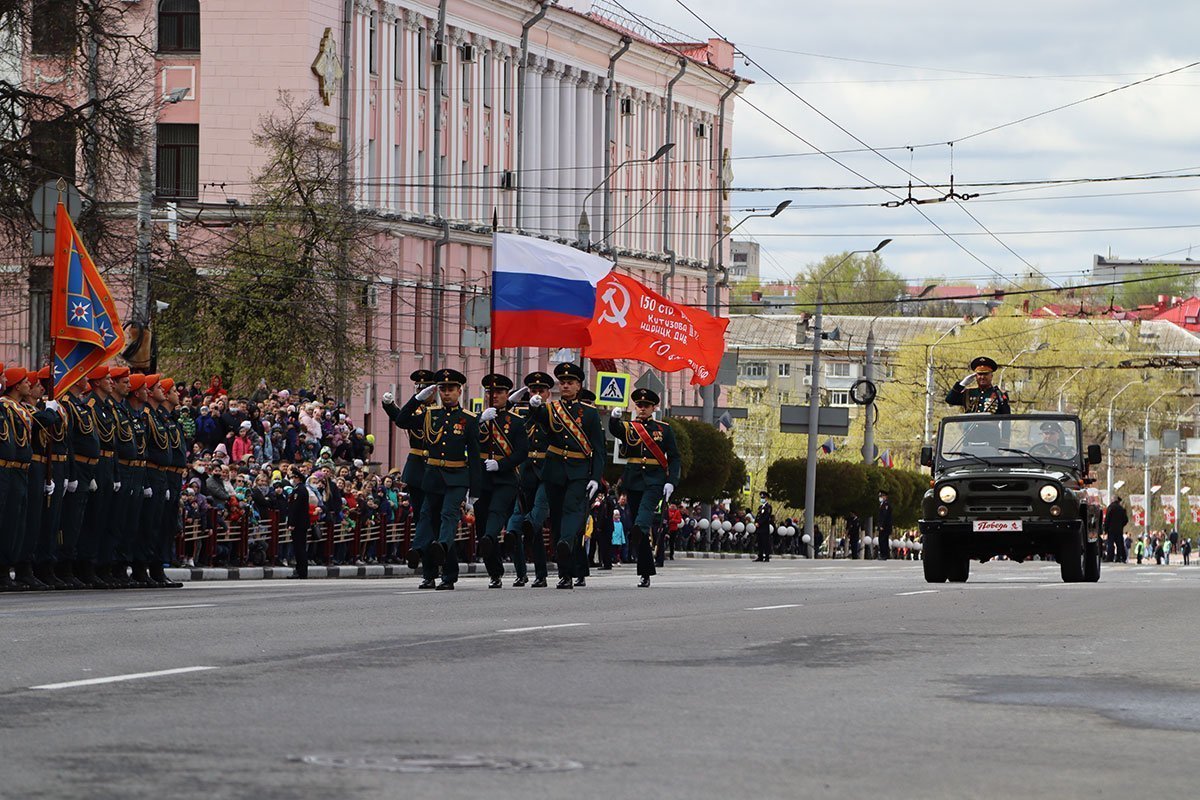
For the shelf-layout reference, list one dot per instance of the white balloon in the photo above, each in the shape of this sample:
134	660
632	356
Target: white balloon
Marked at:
739	526
751	527
703	523
917	546
791	530
771	528
895	544
806	539
726	526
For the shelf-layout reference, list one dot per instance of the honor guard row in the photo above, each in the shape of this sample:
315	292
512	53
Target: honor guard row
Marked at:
89	483
519	464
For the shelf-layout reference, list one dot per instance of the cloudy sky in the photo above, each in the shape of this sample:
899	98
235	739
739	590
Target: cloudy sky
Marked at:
892	75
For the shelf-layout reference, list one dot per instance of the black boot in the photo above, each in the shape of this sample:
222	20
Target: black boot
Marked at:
86	572
644	583
118	576
564	583
521	581
428	583
580	582
45	574
26	578
495	583
66	574
139	579
159	576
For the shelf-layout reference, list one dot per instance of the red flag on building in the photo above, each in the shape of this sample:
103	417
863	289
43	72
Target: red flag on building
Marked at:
632	321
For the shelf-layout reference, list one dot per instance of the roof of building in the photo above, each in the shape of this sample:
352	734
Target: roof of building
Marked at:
779	331
1185	314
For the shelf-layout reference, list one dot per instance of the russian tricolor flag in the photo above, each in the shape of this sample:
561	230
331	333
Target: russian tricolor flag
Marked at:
543	293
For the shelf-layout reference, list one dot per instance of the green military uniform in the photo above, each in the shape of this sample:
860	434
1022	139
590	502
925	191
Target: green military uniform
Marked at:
452	472
645	446
574	459
979	399
503	447
413	474
85	454
531	509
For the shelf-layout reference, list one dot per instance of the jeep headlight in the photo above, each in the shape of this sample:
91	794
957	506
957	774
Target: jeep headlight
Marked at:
947	494
1048	493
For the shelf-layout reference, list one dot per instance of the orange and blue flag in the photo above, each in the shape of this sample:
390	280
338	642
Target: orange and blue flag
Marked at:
84	325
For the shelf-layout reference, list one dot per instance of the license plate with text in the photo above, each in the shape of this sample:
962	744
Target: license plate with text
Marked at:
996	525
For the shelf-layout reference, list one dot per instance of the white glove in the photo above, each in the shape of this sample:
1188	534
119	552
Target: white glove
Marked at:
488	414
147	492
967	381
592	487
535	401
470	502
616	413
516	395
668	490
50	487
72	485
388	398
427	392
52	405
116	486
168	494
491	465
92	485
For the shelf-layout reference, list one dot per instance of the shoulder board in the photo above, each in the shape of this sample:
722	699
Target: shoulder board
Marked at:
91	403
470	414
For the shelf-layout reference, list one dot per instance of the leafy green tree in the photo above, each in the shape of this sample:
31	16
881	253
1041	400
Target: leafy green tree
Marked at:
851	279
1163	280
713	451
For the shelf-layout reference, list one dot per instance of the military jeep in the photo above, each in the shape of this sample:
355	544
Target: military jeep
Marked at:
1010	485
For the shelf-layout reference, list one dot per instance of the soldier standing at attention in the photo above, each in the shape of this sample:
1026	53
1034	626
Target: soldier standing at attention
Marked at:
40	486
763	520
94	544
983	398
532	508
574	463
503	446
16	428
177	471
143	492
452	471
131	464
57	439
85	454
651	472
159	479
414	469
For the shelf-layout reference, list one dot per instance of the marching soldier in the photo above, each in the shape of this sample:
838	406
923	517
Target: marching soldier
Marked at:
574	463
81	483
159	481
16	455
414	468
452	469
94	543
503	446
532	508
132	438
651	472
54	434
983	398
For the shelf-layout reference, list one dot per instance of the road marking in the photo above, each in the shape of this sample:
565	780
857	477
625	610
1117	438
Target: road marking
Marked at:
119	678
543	627
772	608
923	591
416	591
170	608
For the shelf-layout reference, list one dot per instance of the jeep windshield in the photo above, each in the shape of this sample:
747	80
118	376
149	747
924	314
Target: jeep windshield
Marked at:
991	438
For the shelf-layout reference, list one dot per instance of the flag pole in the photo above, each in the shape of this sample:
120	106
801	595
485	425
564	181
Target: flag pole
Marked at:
59	212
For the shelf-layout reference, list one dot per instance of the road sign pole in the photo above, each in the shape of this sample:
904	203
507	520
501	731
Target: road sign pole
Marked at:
814	416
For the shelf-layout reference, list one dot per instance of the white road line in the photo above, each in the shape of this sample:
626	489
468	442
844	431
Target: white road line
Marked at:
119	678
772	608
923	591
544	627
170	608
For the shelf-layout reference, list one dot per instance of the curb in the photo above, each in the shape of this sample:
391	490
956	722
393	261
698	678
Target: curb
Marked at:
198	574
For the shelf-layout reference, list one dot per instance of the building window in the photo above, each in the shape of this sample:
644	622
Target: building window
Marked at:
179	26
52	27
179	161
739	258
487	80
466	81
52	145
422	60
507	85
398	54
784	370
838	369
372	39
753	369
839	398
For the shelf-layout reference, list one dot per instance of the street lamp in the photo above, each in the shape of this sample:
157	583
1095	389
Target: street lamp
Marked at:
708	394
1146	469
1108	477
814	400
1035	349
585	229
1063	388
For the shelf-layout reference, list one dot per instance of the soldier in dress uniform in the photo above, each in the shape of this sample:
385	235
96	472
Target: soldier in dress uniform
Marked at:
81	482
651	472
159	482
55	433
532	508
16	455
504	447
94	547
414	468
134	478
130	456
983	398
574	463
177	447
39	486
764	518
452	469
587	397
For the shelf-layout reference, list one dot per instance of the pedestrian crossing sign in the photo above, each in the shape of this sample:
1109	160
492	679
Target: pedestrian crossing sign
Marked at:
612	389
476	405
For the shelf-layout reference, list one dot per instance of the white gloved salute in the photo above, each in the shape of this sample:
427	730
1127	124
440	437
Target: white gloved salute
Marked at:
389	399
668	490
592	487
616	412
427	392
491	465
516	395
488	414
535	401
147	492
967	381
52	405
72	485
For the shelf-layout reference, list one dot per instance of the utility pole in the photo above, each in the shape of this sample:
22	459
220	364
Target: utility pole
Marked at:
868	449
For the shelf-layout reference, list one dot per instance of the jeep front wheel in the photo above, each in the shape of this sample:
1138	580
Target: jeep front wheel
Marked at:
1091	563
958	567
1071	556
933	558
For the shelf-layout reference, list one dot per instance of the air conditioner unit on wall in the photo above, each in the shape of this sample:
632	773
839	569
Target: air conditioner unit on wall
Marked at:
626	106
467	51
370	296
508	180
701	130
439	53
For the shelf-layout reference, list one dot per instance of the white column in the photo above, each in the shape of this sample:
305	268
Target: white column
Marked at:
387	105
581	177
599	144
547	159
567	175
531	179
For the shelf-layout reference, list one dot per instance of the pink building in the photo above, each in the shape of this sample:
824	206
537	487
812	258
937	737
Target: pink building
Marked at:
434	169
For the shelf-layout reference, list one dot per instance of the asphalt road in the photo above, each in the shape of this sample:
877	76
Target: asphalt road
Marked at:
726	679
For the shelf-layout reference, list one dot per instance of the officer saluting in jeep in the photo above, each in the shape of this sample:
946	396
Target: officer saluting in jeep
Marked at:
983	398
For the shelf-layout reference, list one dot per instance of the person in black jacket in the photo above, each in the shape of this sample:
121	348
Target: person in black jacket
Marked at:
763	520
853	531
298	521
883	527
1115	520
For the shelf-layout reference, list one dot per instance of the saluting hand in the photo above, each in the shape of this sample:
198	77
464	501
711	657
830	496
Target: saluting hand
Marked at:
535	401
967	381
616	412
516	395
389	399
427	392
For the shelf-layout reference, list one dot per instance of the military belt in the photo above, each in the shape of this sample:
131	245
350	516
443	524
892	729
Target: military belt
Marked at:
537	456
86	460
647	461
558	451
419	453
106	453
40	459
21	465
158	467
441	462
58	456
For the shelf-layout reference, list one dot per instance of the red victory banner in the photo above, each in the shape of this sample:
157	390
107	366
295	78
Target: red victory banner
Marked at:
632	321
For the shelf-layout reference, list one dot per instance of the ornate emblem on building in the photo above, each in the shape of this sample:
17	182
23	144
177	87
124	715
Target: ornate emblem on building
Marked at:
327	67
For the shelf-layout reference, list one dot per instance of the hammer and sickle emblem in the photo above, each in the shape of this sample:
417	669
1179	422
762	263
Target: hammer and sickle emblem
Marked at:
616	308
